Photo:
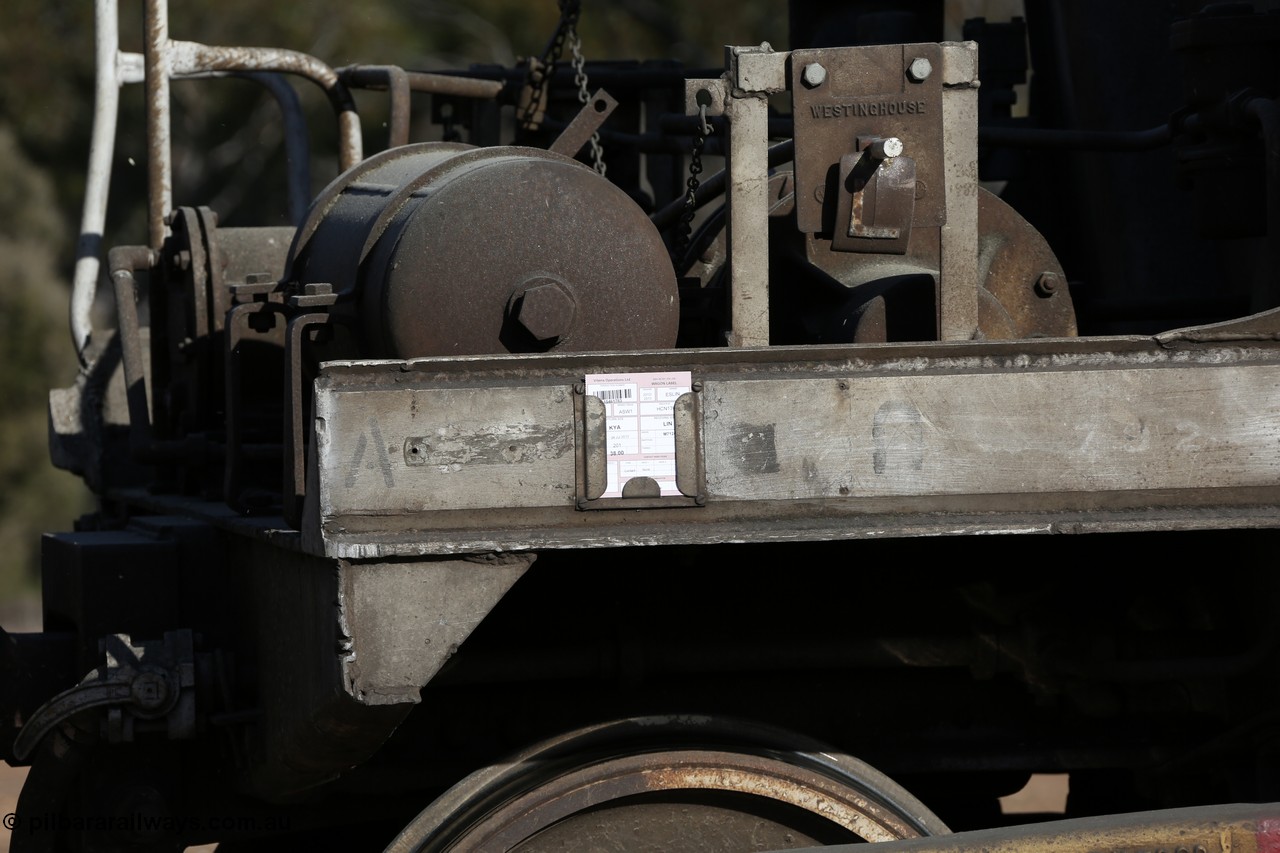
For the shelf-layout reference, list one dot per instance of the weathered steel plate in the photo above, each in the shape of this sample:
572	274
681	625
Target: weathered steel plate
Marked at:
457	455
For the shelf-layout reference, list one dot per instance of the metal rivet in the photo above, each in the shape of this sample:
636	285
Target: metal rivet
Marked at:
884	149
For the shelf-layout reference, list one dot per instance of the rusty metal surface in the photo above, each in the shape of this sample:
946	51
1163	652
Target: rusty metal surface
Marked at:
670	783
811	444
191	57
1242	828
865	93
1025	291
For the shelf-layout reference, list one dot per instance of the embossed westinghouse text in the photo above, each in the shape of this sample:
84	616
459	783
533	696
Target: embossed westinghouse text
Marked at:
864	109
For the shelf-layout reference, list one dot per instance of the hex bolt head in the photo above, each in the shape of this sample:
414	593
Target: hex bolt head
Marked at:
546	308
919	69
813	75
1047	284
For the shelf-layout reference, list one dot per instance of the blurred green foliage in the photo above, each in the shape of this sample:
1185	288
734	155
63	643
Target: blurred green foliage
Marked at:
34	356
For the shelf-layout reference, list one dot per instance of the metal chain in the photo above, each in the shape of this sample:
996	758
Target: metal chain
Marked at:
541	70
584	96
685	230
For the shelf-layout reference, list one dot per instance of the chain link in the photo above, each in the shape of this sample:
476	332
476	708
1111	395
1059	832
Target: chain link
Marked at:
584	96
541	70
685	231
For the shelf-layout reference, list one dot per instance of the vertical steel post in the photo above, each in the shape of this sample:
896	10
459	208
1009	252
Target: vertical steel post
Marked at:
958	280
753	74
159	155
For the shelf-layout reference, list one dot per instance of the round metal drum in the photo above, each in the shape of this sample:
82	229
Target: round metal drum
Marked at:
490	250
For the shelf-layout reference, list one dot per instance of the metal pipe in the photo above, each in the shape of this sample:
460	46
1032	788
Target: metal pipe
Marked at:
188	57
393	79
461	87
106	101
156	57
297	147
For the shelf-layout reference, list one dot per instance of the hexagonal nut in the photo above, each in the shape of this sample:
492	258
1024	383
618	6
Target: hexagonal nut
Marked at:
1047	284
813	75
546	309
919	69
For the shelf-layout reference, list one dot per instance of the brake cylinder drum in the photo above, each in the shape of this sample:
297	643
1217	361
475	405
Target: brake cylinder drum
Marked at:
446	249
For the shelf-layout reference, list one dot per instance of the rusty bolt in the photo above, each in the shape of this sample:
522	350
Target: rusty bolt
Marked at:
813	75
919	69
1048	283
545	307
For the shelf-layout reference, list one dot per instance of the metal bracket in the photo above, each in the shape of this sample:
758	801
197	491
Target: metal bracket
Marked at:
877	201
591	430
585	124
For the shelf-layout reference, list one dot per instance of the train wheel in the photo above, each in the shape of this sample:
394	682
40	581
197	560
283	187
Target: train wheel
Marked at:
672	784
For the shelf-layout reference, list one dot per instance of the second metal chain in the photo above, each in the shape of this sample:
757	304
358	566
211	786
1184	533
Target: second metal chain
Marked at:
584	96
685	230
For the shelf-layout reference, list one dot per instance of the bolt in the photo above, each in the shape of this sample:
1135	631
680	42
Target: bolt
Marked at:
149	690
182	260
1047	284
919	69
814	74
696	386
884	149
545	307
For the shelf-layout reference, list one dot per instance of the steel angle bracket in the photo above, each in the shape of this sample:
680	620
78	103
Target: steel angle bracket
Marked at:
591	433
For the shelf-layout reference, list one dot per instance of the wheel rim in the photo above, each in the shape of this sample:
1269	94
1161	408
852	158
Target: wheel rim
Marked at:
671	783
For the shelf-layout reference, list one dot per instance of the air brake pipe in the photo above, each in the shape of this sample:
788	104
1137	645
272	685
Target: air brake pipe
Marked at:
106	100
400	83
